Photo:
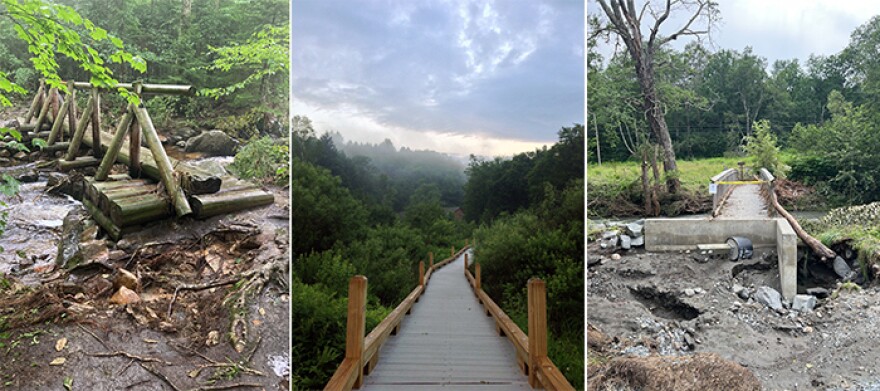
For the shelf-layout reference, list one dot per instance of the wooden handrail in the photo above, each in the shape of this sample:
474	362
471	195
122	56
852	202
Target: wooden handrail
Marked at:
349	375
531	349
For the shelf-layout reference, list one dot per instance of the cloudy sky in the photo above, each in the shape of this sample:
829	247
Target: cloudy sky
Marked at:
471	76
780	29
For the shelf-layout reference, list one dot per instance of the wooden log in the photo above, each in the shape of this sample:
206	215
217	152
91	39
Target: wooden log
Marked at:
229	201
71	111
35	104
168	89
115	145
537	298
166	170
477	285
422	273
80	162
58	124
431	258
105	199
139	209
196	184
31	127
44	111
134	151
96	123
814	244
112	230
356	325
56	147
78	133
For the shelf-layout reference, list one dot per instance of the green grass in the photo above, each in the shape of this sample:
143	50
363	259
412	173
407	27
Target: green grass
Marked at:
694	174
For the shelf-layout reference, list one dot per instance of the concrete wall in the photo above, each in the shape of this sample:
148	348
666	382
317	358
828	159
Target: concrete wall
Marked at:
686	234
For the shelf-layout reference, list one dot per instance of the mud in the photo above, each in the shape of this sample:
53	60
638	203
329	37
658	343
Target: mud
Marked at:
646	305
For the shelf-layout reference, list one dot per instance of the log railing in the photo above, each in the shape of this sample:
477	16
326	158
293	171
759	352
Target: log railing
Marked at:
362	353
531	349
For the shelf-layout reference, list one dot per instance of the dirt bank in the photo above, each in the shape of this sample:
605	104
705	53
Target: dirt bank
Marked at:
670	304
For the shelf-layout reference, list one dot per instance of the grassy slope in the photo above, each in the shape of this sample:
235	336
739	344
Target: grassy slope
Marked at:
695	174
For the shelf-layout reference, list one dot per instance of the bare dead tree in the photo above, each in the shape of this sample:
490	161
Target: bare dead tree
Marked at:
626	22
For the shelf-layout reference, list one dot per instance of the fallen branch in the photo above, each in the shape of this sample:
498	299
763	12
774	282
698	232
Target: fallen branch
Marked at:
128	355
814	244
198	287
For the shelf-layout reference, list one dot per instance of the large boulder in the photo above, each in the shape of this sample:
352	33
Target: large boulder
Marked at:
213	143
181	134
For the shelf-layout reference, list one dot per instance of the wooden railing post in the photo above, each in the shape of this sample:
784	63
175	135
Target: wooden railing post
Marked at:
356	327
37	102
422	273
477	278
97	152
431	258
452	251
465	263
537	297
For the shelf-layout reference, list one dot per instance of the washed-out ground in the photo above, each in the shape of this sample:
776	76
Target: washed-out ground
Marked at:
226	327
675	304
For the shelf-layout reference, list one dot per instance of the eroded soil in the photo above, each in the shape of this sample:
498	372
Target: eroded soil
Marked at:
647	304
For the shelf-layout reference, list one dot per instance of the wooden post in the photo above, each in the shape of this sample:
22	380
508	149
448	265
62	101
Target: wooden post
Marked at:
44	111
36	102
166	171
452	251
115	144
537	298
422	273
59	122
477	285
134	143
76	139
96	124
431	257
56	105
71	110
465	263
356	326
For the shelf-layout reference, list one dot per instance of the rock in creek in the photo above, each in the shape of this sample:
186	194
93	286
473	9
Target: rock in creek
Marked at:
214	143
69	254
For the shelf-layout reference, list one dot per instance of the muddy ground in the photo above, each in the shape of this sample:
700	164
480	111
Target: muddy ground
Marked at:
60	329
647	304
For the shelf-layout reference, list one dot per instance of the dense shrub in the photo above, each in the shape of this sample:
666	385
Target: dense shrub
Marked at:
263	158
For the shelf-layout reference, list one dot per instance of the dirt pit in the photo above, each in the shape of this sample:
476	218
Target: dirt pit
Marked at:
650	305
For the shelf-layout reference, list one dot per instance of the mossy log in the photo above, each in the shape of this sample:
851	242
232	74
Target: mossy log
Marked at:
229	201
166	170
80	162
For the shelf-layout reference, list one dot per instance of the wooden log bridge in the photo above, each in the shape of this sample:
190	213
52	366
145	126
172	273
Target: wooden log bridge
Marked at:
156	186
448	341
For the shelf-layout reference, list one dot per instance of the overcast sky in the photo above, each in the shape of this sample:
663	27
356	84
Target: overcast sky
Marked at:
482	77
779	29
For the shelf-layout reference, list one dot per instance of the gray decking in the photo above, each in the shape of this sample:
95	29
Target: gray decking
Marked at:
745	201
448	343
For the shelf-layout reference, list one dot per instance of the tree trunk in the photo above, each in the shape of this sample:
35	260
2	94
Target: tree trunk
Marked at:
656	118
646	188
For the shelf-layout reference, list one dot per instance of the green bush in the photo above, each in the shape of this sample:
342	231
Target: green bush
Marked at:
761	148
263	158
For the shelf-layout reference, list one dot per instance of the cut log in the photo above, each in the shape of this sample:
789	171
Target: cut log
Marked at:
56	147
44	111
166	170
30	127
139	209
197	184
115	145
80	162
36	104
229	201
169	89
96	123
814	244
78	133
58	125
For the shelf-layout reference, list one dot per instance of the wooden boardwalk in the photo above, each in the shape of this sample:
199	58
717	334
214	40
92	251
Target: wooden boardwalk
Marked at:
448	343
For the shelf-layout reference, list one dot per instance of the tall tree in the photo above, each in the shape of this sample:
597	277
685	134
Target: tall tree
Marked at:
625	21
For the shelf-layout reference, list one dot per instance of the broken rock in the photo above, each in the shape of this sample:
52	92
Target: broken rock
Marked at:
625	242
127	279
769	297
803	303
125	296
